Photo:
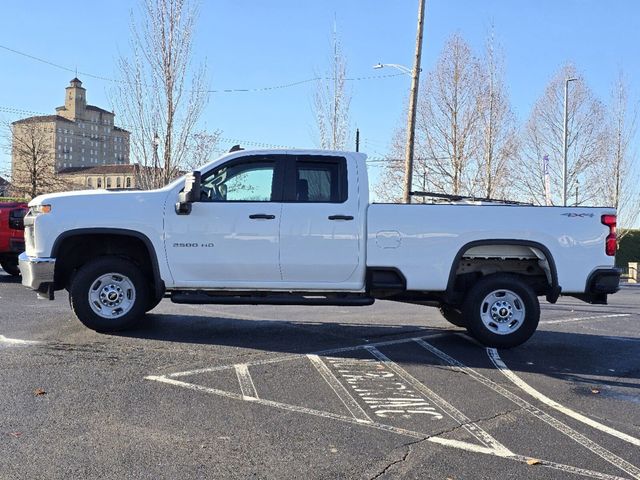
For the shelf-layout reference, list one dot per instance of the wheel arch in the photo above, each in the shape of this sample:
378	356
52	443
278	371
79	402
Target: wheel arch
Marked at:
554	290
123	235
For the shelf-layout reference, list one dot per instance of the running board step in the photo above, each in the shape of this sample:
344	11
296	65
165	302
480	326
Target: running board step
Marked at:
195	297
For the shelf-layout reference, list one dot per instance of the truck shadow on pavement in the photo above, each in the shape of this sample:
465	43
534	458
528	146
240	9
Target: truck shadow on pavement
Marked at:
581	359
8	278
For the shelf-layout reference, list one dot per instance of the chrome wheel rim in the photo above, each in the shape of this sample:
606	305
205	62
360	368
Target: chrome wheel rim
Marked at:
112	295
502	312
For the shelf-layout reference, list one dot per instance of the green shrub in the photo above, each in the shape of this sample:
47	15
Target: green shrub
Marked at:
628	248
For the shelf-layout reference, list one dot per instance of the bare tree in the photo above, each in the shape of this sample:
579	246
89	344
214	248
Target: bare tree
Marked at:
497	127
332	102
617	175
543	135
449	118
447	125
33	169
203	147
389	185
160	96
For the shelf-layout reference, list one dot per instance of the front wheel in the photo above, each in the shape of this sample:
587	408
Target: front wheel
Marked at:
153	302
502	311
109	294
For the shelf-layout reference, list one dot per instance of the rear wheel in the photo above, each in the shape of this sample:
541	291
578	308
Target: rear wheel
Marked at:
453	315
109	294
502	311
10	267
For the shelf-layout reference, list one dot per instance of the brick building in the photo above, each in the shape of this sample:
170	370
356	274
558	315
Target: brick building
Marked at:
78	135
104	176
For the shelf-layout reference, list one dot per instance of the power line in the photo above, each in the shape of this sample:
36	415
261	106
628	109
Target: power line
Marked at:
253	143
62	67
91	136
225	90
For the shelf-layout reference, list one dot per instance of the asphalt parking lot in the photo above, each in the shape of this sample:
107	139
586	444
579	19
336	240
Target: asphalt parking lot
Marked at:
388	391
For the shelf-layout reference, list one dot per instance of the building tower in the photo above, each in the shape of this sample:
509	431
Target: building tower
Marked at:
75	100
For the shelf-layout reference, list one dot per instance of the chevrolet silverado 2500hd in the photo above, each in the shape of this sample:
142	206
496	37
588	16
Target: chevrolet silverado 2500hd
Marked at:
296	227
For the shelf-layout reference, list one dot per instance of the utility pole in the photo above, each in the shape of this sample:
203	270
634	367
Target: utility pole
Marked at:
564	143
413	101
357	139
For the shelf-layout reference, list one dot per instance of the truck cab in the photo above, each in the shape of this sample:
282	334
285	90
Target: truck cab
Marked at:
270	221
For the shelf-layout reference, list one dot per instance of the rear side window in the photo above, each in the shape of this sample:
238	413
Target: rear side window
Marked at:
321	181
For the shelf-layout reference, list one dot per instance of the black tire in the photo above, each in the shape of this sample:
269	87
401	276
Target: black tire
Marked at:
516	307
453	315
131	301
153	303
10	267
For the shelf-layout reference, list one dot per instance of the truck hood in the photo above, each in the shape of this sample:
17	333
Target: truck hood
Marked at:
92	196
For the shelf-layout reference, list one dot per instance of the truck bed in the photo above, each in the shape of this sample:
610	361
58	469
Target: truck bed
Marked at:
422	239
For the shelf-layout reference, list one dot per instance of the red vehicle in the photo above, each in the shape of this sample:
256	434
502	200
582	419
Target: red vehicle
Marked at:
11	235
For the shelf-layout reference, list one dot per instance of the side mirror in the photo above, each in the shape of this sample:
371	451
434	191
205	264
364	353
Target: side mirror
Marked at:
190	194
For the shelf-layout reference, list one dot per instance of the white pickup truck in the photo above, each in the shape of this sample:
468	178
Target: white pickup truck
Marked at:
296	227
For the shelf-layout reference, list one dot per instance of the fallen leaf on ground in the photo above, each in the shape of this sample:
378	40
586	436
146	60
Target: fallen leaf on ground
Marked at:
15	434
38	392
533	461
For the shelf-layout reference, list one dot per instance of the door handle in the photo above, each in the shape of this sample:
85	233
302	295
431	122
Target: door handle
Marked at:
261	216
340	217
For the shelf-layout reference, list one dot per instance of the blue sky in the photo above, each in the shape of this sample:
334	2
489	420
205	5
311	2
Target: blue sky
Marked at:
254	44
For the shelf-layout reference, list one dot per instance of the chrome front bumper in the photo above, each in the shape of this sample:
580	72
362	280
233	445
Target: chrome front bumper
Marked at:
37	274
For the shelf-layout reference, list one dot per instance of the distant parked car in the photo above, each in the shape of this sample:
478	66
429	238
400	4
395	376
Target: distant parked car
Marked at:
11	235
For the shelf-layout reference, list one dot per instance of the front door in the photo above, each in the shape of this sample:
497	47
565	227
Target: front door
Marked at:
231	237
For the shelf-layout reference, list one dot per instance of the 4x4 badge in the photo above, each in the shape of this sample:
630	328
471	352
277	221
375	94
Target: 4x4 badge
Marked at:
581	215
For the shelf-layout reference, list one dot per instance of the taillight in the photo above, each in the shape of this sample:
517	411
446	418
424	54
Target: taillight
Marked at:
611	243
16	218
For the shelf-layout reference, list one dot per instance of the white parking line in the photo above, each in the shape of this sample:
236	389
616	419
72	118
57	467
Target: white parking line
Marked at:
380	426
247	387
286	406
545	417
477	432
342	393
495	448
17	341
293	356
499	363
579	319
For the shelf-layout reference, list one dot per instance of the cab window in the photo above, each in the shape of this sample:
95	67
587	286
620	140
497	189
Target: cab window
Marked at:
321	181
250	181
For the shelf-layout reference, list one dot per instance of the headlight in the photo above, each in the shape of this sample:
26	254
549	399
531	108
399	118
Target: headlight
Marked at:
40	209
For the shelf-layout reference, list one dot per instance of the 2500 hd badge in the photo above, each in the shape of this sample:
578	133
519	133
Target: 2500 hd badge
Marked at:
193	245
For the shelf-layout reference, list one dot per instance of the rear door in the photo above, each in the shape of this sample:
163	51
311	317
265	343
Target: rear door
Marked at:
320	229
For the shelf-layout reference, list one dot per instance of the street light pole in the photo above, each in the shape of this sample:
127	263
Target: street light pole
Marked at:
413	101
154	175
565	145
